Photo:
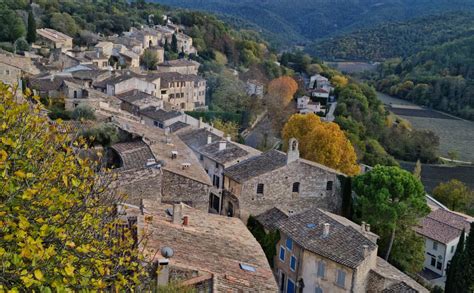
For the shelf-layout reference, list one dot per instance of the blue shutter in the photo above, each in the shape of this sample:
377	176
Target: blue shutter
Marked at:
290	288
282	253
293	263
289	243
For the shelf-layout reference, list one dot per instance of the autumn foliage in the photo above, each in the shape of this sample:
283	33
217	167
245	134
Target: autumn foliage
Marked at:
283	87
58	229
322	142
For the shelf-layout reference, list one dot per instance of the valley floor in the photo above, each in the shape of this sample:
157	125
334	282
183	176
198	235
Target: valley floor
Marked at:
455	134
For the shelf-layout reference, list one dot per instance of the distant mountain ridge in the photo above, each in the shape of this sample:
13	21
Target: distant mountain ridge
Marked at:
307	20
396	39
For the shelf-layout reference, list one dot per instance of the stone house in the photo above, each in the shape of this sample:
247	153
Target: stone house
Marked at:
135	101
210	253
305	105
182	66
319	82
105	48
54	39
175	176
441	230
156	117
14	67
254	88
322	252
183	91
215	154
276	179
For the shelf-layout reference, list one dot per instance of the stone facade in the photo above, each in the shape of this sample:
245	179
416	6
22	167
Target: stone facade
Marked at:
177	188
278	191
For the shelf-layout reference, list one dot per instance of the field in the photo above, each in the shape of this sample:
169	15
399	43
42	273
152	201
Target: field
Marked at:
455	134
432	175
352	67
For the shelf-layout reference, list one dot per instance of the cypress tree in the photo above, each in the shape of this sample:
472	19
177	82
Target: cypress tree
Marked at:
31	32
174	43
455	269
467	263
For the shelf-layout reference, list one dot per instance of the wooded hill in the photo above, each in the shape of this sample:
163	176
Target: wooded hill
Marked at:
307	20
441	77
397	39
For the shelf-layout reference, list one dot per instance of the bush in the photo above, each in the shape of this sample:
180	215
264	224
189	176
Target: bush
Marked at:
105	134
83	112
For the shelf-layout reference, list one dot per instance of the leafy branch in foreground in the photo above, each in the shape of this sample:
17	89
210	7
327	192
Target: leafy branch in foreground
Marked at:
58	225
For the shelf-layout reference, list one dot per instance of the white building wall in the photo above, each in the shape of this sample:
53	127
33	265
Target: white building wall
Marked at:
439	254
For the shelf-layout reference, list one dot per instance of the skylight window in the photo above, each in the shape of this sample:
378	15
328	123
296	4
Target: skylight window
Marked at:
311	226
248	268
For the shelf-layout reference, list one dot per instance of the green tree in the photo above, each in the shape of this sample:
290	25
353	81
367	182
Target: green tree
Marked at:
83	112
12	26
454	271
31	33
391	200
149	59
230	128
174	43
64	23
455	195
56	211
21	45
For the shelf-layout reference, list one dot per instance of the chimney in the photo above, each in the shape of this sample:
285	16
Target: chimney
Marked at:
366	250
367	227
362	226
177	213
98	54
200	122
326	229
222	145
228	138
209	139
293	153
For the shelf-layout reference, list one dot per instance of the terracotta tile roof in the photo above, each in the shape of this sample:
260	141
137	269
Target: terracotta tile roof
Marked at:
23	63
399	280
134	155
270	217
178	125
197	138
179	62
230	153
256	166
343	244
134	95
53	35
162	146
212	244
443	226
159	114
264	163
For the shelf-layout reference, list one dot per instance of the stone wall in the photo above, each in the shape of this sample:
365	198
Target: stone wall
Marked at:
139	184
278	191
176	188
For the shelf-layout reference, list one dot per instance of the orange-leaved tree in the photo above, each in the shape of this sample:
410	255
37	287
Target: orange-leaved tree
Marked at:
283	87
321	142
58	227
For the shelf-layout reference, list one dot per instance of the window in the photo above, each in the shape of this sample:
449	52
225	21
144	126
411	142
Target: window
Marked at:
452	248
289	243
341	278
201	157
329	185
296	187
216	181
156	123
217	165
260	188
293	263
318	290
439	265
321	269
290	287
282	253
435	245
433	261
